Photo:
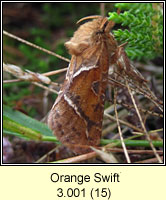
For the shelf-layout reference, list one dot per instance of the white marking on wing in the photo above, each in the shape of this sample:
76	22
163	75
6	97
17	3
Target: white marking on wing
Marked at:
84	68
70	103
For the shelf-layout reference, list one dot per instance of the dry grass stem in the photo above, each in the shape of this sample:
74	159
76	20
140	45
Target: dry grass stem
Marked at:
77	159
151	160
119	129
102	9
35	46
149	95
130	151
122	122
26	76
143	90
47	155
142	124
44	87
106	157
12	81
149	132
55	72
140	109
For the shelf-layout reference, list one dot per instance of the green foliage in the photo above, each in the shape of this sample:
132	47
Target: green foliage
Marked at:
145	33
131	143
37	59
17	123
12	92
54	12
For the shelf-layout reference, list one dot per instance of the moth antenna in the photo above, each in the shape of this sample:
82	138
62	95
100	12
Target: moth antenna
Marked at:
106	25
123	45
88	17
109	26
118	11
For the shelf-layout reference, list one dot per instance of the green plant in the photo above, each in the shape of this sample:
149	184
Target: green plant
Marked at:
145	29
18	124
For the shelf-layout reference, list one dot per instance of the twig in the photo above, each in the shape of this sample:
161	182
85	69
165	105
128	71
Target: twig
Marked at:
142	124
120	133
152	98
46	155
102	9
141	109
118	150
77	159
122	122
44	87
26	76
105	156
12	81
139	90
35	46
149	132
54	72
151	160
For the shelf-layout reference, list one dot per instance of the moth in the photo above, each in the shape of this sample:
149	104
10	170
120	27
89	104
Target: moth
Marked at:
77	114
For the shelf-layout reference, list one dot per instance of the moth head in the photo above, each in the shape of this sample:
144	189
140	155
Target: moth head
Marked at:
88	34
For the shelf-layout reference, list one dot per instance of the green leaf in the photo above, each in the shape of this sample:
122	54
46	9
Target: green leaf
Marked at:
17	124
15	134
25	121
